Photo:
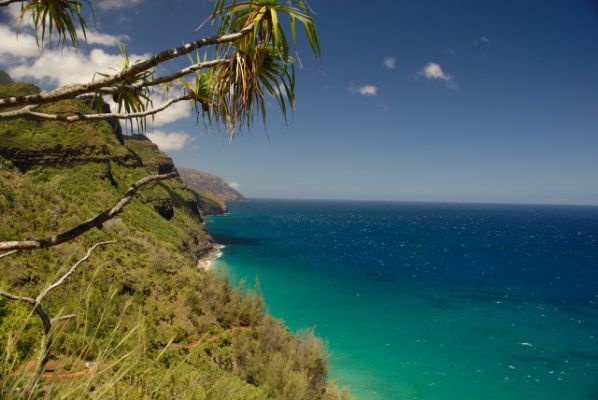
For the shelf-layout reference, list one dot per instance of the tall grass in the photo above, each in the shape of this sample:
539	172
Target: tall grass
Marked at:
108	352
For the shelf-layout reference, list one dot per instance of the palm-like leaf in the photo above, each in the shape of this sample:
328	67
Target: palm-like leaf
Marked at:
200	88
264	16
259	63
58	15
132	99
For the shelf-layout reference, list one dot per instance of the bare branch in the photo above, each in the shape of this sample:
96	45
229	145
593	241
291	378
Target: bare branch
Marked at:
63	318
164	79
71	91
80	229
11	296
8	253
183	72
28	113
64	277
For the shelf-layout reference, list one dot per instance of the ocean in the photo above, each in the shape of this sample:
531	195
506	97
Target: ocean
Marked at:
430	301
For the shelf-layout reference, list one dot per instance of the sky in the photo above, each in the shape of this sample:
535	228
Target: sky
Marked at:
446	100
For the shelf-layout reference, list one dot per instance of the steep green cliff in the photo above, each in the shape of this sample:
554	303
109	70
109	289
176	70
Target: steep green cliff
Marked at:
149	324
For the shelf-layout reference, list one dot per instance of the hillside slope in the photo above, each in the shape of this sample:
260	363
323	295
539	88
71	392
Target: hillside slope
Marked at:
154	324
5	79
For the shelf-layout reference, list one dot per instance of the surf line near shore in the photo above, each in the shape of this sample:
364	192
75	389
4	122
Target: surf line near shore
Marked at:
206	261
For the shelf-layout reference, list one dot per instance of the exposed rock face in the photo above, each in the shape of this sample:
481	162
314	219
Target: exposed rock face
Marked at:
206	182
64	156
164	207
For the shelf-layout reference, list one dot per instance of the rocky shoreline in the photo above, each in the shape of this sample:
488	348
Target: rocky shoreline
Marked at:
214	253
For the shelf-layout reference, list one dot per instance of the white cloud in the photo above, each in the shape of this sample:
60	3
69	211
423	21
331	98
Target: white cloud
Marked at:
62	67
177	111
234	185
169	141
482	40
112	4
384	107
366	90
13	46
102	39
22	58
390	63
435	71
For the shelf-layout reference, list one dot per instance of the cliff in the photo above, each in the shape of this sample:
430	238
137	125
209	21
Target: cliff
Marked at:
157	326
213	185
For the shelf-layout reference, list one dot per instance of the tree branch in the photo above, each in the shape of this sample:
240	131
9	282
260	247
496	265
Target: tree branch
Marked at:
63	318
64	277
71	91
28	113
80	229
8	253
185	71
164	79
11	296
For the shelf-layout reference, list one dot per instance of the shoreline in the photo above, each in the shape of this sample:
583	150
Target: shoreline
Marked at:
206	261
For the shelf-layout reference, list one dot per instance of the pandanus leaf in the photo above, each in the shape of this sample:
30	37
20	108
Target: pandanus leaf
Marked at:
60	16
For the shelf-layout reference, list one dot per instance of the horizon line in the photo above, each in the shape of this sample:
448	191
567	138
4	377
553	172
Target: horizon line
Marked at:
422	201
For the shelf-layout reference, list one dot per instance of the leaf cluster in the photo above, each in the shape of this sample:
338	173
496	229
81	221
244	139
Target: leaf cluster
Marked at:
128	97
55	15
257	65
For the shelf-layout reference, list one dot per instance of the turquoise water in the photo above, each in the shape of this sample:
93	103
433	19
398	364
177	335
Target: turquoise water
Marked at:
430	301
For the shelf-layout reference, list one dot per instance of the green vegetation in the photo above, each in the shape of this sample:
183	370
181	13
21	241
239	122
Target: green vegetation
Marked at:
15	88
149	324
5	79
210	197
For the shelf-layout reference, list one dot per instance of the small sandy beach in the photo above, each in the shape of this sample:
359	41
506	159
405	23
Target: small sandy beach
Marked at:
206	262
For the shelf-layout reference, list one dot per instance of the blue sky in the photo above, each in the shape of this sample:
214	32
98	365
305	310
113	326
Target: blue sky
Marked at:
483	101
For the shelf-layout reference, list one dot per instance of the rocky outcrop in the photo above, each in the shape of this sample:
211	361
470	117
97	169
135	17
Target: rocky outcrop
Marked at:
57	155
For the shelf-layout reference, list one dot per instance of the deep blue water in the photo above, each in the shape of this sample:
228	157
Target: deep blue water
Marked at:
430	301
